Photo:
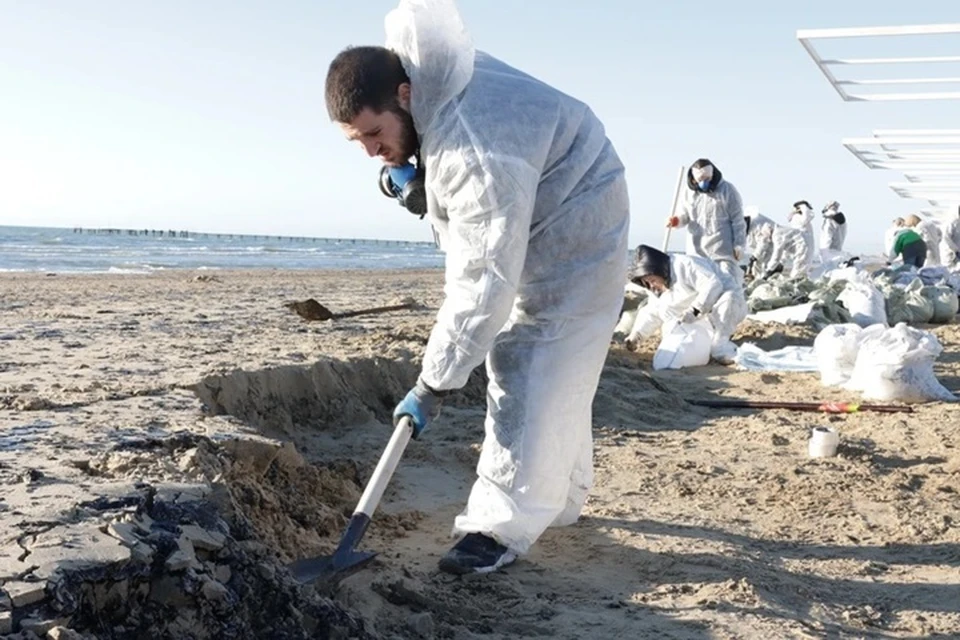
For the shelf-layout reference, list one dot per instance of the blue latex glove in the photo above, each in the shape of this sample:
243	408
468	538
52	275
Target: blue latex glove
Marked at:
422	404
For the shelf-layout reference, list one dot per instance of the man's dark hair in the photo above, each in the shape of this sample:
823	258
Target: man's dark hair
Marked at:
700	163
361	78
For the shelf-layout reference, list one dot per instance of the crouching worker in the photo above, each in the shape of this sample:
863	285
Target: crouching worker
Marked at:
687	288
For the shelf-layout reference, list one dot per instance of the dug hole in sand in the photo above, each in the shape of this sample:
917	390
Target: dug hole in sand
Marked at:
338	414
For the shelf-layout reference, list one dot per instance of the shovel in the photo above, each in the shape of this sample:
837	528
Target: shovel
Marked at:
310	309
673	208
346	559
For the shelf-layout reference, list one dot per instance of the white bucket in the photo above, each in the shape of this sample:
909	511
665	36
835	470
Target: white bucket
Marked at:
823	442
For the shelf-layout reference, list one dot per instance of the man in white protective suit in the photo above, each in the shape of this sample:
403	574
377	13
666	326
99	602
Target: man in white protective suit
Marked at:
932	235
529	200
833	231
791	253
951	240
687	288
759	247
801	218
712	212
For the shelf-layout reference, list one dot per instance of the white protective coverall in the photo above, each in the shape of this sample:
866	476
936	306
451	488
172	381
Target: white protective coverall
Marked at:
951	240
700	283
833	231
932	235
530	201
790	249
760	241
714	221
801	218
890	238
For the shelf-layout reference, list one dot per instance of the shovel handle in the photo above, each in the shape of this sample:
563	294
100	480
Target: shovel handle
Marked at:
673	208
385	468
361	312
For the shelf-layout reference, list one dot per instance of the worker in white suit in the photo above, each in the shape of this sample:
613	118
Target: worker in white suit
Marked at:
932	235
833	231
951	240
760	231
688	288
801	218
712	212
529	199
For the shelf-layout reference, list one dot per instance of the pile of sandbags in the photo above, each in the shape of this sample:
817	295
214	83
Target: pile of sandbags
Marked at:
881	363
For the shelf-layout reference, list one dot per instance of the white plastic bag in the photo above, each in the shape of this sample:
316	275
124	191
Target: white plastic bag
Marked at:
945	303
797	314
836	350
684	344
847	274
896	364
750	357
865	303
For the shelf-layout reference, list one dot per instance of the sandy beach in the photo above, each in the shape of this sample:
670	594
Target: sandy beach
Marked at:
169	442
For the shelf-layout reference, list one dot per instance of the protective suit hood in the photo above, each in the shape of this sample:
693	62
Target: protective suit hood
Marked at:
650	262
714	181
414	29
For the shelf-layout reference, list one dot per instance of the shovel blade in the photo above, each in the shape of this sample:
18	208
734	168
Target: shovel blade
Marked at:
330	568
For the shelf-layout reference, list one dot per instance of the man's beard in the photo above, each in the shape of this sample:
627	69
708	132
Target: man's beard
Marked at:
409	141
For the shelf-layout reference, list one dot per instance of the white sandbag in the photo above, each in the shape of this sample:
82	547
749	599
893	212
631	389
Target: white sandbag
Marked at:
920	308
797	314
836	350
945	303
846	274
684	344
750	357
896	364
830	263
865	303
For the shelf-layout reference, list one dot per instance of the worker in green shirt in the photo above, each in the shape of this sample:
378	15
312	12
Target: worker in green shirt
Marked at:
907	244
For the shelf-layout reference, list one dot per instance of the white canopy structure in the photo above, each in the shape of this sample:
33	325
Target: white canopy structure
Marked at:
884	63
929	159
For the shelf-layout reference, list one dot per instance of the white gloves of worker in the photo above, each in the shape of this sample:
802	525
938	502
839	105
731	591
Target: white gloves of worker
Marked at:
690	315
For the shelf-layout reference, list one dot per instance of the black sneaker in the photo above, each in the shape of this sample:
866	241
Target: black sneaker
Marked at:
476	553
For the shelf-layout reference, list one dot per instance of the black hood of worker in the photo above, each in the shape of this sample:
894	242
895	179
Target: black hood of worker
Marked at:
650	262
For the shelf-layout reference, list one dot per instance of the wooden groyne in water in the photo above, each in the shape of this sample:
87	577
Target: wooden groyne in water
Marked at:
170	233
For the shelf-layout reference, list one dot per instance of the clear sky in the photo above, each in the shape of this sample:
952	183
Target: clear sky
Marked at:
210	115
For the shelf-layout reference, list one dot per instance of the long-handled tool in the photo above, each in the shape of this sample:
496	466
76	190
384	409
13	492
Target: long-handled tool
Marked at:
346	559
312	310
673	209
826	407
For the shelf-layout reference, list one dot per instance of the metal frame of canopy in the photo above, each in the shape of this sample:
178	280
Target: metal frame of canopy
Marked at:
826	65
929	159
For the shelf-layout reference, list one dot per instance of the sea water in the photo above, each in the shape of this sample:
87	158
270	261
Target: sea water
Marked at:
59	250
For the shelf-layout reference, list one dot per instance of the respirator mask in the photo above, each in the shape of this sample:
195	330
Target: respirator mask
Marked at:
407	185
703	176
